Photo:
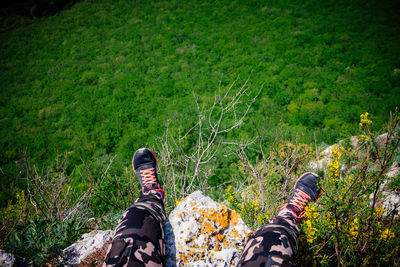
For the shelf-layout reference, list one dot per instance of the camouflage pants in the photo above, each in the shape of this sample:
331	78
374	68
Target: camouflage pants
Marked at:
273	244
139	238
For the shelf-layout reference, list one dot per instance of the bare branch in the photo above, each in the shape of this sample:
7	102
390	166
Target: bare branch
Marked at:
183	169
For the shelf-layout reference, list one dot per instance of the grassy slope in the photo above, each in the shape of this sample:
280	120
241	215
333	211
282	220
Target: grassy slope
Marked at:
105	77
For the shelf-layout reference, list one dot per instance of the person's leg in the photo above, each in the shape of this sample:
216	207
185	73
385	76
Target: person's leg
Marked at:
139	236
275	243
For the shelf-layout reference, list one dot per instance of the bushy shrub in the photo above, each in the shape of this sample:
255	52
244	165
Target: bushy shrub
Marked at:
270	181
56	208
41	241
12	216
351	224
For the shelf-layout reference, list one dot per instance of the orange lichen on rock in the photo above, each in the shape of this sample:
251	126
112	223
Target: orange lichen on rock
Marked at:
235	233
223	216
214	231
208	228
183	257
234	217
219	237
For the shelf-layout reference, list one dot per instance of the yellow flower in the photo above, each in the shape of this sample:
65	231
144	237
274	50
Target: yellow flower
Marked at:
310	231
349	180
310	215
228	189
311	212
176	202
386	234
333	165
379	211
354	226
262	218
364	119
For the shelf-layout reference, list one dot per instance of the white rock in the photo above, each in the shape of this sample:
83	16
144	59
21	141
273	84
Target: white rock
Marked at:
84	247
6	259
323	159
354	140
391	198
394	170
201	232
381	140
391	203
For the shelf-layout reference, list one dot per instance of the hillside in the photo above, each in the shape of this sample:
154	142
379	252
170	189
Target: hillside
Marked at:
106	77
82	89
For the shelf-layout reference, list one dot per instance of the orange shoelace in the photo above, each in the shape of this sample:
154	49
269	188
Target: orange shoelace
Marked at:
148	177
299	201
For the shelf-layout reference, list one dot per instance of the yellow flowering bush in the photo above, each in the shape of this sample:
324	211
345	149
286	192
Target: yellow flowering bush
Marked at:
349	225
12	215
310	220
353	228
333	165
270	182
250	210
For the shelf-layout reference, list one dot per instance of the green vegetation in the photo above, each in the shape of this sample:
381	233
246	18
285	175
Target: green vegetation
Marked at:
350	224
104	78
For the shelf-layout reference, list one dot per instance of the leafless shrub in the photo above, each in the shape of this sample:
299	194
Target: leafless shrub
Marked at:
185	170
52	192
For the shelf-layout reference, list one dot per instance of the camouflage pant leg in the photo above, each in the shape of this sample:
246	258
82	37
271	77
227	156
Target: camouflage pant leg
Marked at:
139	236
273	244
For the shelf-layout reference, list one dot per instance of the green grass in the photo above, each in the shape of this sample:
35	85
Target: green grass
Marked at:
106	77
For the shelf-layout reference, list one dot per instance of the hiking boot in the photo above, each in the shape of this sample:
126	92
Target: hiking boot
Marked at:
144	163
305	190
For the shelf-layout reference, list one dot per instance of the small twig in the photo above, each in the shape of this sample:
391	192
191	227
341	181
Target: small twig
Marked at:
29	178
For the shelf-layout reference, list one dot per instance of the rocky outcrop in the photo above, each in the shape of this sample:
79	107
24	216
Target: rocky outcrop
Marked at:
198	231
87	248
9	260
390	200
202	232
324	157
6	259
